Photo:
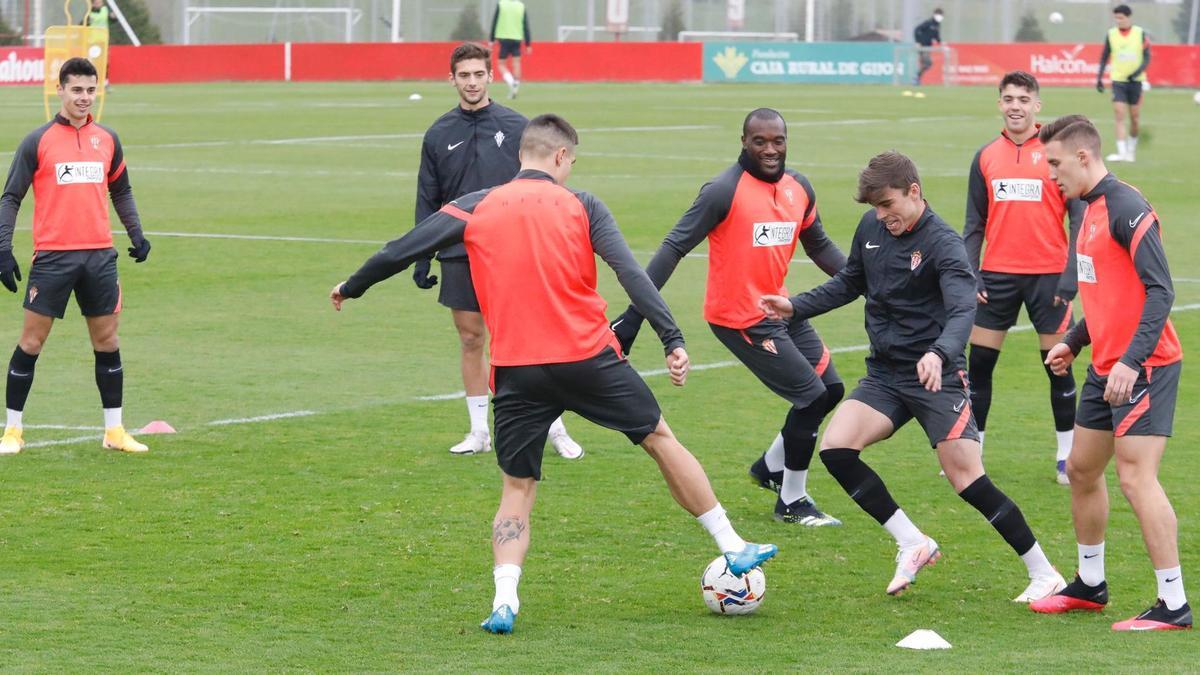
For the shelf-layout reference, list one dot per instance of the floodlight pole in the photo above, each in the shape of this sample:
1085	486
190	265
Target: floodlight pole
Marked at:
124	24
1192	23
395	20
810	19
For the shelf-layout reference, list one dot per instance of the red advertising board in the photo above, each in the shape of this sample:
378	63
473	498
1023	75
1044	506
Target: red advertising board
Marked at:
21	65
1063	64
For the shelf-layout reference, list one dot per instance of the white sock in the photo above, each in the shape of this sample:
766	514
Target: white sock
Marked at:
507	577
981	442
718	525
1132	144
1122	148
1036	562
508	78
902	530
1170	587
477	408
1091	563
774	454
1065	439
14	418
795	485
557	428
112	418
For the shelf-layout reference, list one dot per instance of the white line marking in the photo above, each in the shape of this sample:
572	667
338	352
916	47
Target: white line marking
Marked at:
63	426
64	441
262	418
443	397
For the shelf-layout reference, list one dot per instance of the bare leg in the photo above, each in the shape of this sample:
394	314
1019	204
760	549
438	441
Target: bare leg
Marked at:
103	331
1089	494
685	477
510	528
34	332
1138	458
1120	110
472	338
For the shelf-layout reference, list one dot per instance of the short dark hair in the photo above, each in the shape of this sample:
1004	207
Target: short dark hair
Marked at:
547	133
1020	78
938	10
890	169
76	66
470	50
1074	131
1123	9
762	114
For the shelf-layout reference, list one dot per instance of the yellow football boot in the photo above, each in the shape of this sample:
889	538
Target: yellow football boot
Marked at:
116	438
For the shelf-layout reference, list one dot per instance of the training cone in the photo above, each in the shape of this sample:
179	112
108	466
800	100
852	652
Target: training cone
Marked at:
923	639
906	92
414	97
157	427
919	94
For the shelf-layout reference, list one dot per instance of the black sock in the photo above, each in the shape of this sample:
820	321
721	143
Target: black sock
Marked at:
110	378
20	378
1062	396
1001	512
800	435
833	395
859	481
980	364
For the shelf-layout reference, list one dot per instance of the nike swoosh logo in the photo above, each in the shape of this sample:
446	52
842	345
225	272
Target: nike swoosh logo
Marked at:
1134	221
1134	399
16	374
451	147
1089	557
1069	393
869	246
958	408
616	323
1170	580
115	370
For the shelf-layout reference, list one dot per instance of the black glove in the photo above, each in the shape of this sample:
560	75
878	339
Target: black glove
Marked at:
626	328
421	275
1066	291
1099	86
10	272
140	250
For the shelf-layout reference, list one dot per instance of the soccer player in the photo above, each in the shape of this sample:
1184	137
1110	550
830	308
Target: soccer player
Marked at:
1127	404
1127	46
472	147
752	214
510	26
927	34
552	349
74	166
1014	206
913	271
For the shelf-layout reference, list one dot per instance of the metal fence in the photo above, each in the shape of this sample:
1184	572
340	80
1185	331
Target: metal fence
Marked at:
1167	21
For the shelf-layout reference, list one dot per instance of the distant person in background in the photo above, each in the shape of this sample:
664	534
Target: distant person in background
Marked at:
1129	49
927	34
97	17
510	26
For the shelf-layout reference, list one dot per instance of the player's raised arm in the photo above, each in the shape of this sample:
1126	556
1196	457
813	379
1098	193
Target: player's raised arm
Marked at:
611	247
849	283
444	228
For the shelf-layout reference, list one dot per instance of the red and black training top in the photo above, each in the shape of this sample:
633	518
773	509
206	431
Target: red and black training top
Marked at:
532	245
1014	206
73	172
1124	282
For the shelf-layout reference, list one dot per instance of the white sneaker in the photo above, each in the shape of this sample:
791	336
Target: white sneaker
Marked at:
1042	587
911	560
1115	157
474	443
566	446
12	442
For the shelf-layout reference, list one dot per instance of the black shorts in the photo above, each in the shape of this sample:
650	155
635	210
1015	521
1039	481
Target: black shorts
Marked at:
1007	292
1127	92
91	275
1150	411
510	48
787	357
604	389
896	392
455	288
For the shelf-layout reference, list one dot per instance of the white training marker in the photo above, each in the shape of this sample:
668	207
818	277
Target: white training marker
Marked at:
923	639
157	427
414	97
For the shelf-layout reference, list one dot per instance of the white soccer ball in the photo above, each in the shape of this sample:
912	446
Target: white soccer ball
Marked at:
1056	17
727	594
1196	97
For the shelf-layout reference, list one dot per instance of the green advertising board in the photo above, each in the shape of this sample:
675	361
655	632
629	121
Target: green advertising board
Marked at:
785	62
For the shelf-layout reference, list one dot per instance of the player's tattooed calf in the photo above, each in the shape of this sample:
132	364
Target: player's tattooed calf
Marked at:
507	529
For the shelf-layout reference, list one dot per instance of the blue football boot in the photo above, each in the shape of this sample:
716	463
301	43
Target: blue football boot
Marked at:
500	622
750	557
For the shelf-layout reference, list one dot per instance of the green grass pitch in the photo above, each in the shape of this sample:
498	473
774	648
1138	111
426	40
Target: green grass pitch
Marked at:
346	538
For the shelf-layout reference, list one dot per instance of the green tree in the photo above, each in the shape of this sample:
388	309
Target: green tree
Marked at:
468	28
672	22
1029	30
9	36
139	20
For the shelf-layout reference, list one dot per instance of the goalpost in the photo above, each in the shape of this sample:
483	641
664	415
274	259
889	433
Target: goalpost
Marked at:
346	17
